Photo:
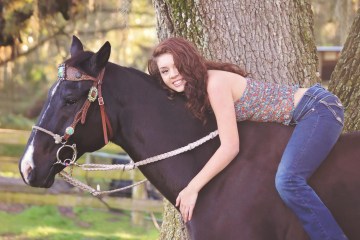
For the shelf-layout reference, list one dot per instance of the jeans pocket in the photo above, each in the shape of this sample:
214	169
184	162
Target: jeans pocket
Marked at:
335	107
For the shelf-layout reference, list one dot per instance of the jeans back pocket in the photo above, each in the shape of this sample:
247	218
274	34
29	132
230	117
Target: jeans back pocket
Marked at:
335	107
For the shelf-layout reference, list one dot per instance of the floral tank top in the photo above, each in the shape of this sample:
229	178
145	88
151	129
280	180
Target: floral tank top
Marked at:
266	102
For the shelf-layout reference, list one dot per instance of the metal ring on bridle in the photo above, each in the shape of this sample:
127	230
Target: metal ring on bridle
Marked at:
67	161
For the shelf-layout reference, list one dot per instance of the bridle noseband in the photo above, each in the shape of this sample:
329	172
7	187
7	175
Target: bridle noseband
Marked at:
69	73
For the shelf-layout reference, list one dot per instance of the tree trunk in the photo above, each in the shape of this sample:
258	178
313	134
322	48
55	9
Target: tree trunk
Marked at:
344	15
333	19
172	228
272	40
345	80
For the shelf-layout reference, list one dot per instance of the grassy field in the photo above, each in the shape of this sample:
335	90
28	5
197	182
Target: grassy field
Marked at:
23	222
54	223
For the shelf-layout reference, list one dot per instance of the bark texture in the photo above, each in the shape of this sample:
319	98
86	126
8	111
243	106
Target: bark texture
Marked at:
172	228
272	40
345	80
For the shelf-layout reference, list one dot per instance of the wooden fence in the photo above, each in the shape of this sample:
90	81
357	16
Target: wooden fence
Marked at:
14	190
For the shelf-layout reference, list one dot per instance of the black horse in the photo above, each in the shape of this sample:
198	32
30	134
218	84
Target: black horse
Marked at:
239	203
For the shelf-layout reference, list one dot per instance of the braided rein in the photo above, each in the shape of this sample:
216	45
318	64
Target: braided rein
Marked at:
126	167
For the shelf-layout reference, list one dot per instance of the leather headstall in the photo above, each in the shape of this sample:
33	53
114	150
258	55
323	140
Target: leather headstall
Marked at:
70	73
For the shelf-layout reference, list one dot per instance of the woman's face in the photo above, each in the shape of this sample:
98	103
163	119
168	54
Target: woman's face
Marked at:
169	73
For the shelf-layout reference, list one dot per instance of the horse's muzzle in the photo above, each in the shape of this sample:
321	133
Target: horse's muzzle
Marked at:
29	175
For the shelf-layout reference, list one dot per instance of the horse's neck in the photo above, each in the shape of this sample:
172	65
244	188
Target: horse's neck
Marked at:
146	123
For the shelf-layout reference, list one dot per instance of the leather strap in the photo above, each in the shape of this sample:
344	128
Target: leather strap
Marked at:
73	74
102	107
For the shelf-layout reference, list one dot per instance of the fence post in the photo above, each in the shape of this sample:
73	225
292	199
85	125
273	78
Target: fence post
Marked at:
88	158
138	193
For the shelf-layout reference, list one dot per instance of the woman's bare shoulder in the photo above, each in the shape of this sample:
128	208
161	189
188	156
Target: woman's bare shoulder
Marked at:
221	80
217	80
223	75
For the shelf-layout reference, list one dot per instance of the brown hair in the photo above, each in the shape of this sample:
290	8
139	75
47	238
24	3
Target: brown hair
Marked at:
193	68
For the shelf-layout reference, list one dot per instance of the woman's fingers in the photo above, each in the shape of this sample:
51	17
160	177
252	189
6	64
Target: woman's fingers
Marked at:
185	214
186	205
177	201
191	209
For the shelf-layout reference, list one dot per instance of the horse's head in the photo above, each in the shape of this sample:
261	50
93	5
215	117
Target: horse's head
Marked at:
72	121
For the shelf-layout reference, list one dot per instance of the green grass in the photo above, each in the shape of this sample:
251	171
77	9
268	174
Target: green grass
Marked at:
47	222
11	150
17	121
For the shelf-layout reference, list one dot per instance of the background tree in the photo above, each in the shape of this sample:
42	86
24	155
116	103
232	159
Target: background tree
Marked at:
332	20
273	41
34	31
345	80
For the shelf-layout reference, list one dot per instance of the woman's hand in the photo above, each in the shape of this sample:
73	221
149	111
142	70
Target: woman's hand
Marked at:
186	200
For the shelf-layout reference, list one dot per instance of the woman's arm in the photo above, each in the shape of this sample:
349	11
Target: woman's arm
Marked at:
222	103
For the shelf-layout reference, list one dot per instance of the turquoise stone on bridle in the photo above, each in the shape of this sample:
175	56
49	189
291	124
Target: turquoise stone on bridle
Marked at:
61	72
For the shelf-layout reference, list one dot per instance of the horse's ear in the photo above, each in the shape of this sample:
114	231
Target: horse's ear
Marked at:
76	46
100	58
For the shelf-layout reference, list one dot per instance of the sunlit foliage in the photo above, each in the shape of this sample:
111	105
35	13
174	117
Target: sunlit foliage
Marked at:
35	36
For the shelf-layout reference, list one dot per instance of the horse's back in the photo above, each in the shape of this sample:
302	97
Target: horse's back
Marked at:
242	201
338	182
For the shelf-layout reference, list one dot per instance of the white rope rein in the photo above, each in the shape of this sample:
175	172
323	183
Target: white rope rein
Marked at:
91	190
129	166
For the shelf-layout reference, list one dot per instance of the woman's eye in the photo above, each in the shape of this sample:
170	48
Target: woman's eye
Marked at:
164	71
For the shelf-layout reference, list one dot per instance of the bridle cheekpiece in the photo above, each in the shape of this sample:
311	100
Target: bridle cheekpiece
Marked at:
69	73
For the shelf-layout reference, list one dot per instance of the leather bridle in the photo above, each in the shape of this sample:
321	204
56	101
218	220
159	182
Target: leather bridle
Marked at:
70	73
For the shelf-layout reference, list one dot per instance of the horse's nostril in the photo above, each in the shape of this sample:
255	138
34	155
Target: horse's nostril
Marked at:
31	175
27	170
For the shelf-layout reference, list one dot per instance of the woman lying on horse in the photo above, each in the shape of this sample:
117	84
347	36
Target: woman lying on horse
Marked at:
232	96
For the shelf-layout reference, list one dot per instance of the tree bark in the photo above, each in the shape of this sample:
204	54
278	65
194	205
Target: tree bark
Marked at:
172	228
345	80
272	40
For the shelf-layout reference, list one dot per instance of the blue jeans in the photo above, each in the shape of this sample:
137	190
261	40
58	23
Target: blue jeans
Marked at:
319	120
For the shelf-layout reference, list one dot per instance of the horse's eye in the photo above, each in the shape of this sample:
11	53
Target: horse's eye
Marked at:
70	101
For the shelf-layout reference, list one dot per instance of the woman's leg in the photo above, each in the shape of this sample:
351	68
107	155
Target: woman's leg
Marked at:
312	139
